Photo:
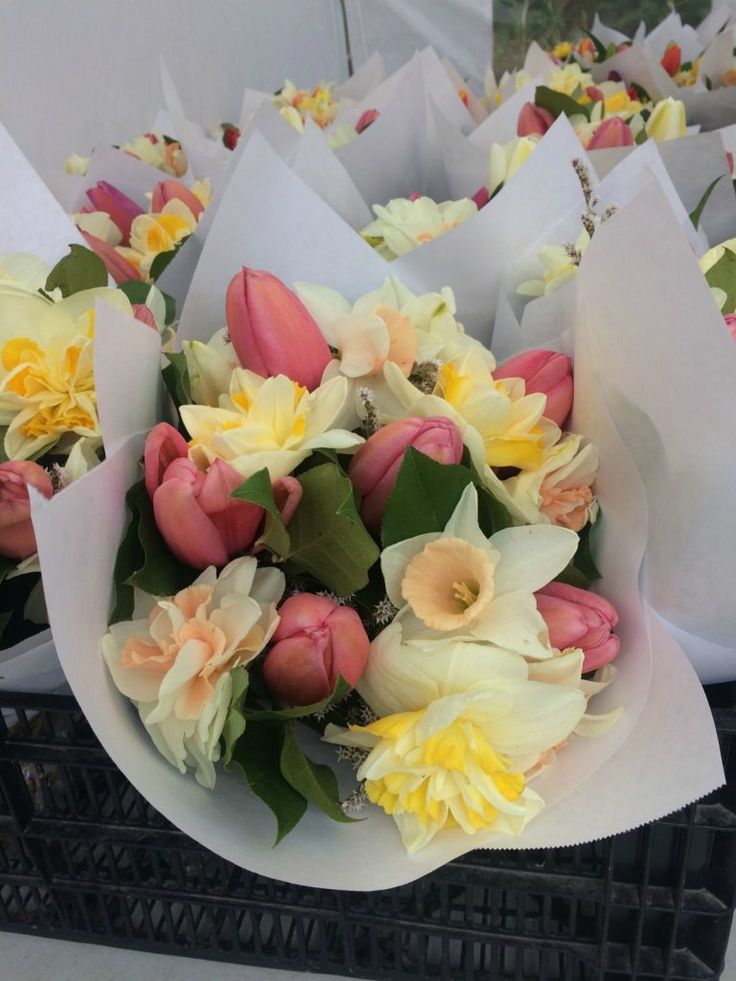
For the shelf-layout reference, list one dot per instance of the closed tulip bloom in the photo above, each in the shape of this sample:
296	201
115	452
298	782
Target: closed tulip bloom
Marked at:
375	467
143	313
172	190
118	206
547	372
164	444
667	121
533	120
612	132
672	59
365	119
17	538
730	320
315	642
118	267
578	618
272	331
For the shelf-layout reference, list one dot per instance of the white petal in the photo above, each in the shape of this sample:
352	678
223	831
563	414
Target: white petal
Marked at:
536	718
514	623
532	557
394	561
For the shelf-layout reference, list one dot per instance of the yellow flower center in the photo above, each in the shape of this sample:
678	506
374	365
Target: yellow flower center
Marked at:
449	584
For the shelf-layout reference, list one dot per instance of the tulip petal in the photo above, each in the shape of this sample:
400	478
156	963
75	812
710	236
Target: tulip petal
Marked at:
186	529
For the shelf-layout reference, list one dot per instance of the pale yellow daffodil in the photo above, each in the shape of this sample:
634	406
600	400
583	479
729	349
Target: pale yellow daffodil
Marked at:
403	225
560	264
268	422
507	158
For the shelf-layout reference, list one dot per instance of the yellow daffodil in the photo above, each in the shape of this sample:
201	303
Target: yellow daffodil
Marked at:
317	103
47	391
403	224
507	158
76	165
155	150
152	234
560	263
569	79
667	121
562	50
268	422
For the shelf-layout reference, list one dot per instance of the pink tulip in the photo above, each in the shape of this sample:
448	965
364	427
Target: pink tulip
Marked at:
143	313
578	618
612	132
172	190
533	120
481	197
272	331
730	320
365	120
375	467
119	268
194	511
546	372
316	641
17	538
118	206
594	93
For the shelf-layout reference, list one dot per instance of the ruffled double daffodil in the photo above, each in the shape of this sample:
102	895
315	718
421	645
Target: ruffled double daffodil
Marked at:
405	224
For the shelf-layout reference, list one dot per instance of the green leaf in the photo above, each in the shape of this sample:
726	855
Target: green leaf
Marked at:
696	215
571	576
137	292
176	379
3	454
235	721
722	275
258	753
162	260
423	499
341	689
80	270
601	51
129	559
315	782
558	103
584	560
161	573
328	539
258	490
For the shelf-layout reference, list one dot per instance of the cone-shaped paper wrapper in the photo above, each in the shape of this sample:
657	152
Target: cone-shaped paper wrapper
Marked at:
78	534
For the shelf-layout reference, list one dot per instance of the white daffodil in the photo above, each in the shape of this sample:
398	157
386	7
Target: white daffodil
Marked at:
507	158
460	582
403	225
268	422
23	271
560	263
210	367
99	224
559	491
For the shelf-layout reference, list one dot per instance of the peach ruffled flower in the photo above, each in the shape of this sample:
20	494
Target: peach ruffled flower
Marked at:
176	664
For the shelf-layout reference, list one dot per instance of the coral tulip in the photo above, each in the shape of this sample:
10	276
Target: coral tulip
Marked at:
578	618
118	206
547	372
172	190
17	538
612	132
533	120
119	268
316	641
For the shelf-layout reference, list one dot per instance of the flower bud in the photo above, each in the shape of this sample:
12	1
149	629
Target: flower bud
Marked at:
118	206
272	331
672	59
118	267
173	190
547	372
730	320
578	618
375	467
612	132
315	642
533	120
365	119
667	121
17	538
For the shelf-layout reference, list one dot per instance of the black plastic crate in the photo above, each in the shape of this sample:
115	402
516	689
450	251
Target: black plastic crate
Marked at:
83	856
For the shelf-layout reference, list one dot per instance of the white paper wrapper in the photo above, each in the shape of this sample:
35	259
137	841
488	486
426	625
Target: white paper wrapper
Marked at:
30	219
306	238
32	666
500	127
657	333
87	522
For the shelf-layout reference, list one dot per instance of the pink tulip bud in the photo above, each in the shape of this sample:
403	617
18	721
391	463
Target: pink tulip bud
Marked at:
118	206
272	331
375	467
164	444
119	268
577	618
17	538
143	313
730	320
316	641
594	93
534	120
172	190
546	372
481	197
365	120
612	132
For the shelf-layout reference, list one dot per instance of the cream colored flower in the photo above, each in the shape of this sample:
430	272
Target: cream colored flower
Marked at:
560	263
99	224
460	581
210	367
667	121
155	150
268	422
76	165
175	665
403	225
560	490
570	80
507	158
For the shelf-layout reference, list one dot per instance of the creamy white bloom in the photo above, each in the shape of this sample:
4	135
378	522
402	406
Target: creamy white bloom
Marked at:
175	664
403	225
99	224
507	158
559	263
